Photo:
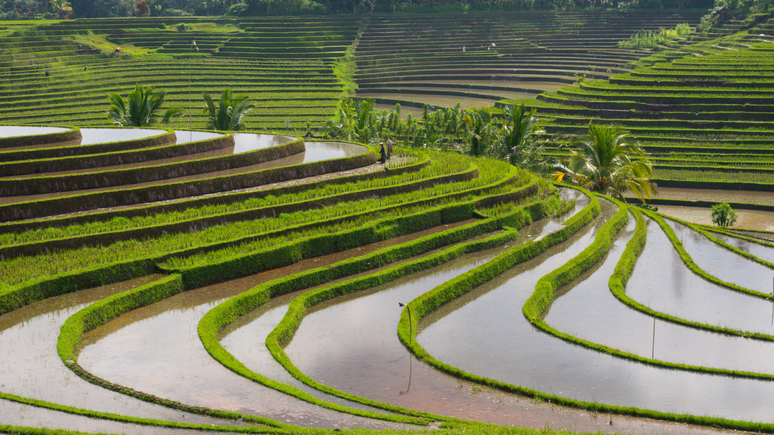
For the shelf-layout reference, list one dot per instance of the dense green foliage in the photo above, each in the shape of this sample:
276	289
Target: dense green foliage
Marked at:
141	109
14	9
723	215
607	160
230	112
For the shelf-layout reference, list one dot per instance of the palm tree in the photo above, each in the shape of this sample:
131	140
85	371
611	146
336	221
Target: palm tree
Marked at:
354	120
230	113
607	160
61	7
142	108
520	141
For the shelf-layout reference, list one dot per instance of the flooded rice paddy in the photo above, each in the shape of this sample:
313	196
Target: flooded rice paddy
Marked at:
92	136
350	343
30	366
683	294
722	263
156	349
588	310
486	334
13	130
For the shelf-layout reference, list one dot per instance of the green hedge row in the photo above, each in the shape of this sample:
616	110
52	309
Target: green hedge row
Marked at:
106	238
16	296
79	150
167	149
164	192
623	271
39	139
692	265
430	301
107	309
215	241
227	198
253	262
145	174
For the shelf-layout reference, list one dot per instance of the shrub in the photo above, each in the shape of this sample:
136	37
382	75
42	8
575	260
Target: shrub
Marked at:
723	215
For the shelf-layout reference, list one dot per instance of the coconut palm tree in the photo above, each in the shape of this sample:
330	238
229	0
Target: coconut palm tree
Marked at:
230	113
608	160
520	141
142	108
63	8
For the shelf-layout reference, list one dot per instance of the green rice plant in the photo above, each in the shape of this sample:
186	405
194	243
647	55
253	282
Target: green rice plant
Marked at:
441	166
18	270
649	38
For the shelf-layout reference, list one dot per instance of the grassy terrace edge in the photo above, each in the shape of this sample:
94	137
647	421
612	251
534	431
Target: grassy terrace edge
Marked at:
430	301
623	271
180	190
300	305
537	306
109	308
185	225
40	288
421	161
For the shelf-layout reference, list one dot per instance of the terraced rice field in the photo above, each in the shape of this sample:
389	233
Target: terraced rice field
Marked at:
264	297
495	56
177	281
287	69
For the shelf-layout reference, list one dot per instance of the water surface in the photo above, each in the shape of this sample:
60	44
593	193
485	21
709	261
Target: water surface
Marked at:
12	130
723	263
244	142
661	281
105	135
588	310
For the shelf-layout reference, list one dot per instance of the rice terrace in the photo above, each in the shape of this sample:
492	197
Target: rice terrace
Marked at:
372	217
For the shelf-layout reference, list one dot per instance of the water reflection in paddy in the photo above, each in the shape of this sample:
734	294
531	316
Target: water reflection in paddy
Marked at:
104	135
490	337
350	344
17	414
244	142
684	294
245	337
763	252
316	151
156	349
187	136
13	130
723	263
588	310
31	367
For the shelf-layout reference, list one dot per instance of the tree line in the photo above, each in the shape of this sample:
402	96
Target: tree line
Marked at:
26	9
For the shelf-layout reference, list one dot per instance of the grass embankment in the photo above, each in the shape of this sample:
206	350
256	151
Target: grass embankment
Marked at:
109	308
224	314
